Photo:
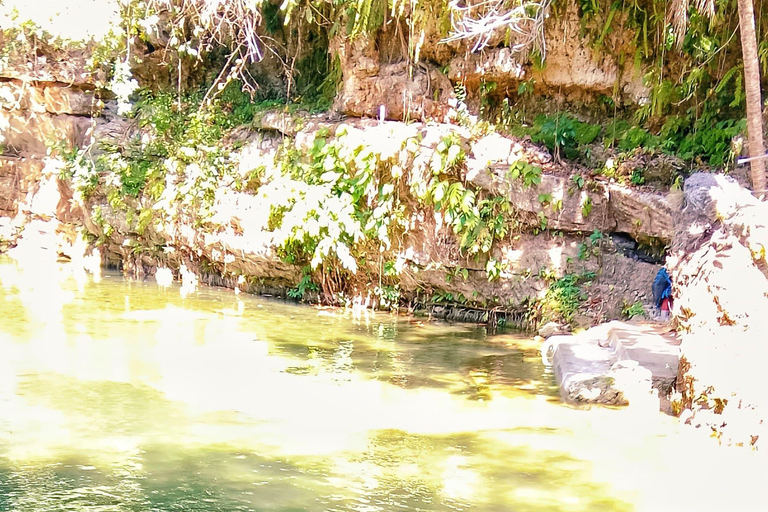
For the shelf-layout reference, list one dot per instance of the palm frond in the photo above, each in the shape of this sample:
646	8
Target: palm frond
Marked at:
677	16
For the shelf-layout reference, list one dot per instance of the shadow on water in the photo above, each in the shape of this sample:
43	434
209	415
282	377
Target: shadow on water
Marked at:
397	471
116	408
459	358
121	396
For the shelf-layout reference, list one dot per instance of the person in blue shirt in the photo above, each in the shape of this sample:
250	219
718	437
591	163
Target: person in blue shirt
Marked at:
662	293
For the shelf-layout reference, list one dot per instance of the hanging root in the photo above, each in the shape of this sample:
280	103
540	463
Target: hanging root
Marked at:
484	21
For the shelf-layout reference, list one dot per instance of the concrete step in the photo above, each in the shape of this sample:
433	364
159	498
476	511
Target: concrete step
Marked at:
614	363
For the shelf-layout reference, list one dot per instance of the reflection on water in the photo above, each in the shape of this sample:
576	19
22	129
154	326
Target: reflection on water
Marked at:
124	396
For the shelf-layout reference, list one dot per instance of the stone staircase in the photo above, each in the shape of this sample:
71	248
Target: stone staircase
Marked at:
615	364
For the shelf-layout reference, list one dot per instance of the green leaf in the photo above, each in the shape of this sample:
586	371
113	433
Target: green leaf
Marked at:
318	144
467	200
542	221
454	152
439	192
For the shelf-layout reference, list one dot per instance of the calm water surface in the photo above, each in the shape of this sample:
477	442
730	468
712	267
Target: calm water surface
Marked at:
125	396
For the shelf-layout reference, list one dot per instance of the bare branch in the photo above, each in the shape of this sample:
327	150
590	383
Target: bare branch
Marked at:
482	23
231	23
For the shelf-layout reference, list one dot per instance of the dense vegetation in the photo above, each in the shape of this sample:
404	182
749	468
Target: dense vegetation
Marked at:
690	61
340	211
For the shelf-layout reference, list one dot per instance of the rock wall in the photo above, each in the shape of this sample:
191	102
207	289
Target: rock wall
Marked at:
375	73
612	207
571	67
46	105
235	246
237	241
718	265
36	116
49	101
404	91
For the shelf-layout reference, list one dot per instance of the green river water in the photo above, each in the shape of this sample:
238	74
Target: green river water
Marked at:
125	396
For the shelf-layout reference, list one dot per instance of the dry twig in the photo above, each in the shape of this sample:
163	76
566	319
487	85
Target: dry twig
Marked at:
481	22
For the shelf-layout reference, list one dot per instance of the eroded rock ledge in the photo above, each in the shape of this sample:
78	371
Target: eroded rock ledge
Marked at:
613	207
237	244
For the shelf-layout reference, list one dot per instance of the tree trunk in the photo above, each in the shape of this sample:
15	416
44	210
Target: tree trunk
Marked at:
752	86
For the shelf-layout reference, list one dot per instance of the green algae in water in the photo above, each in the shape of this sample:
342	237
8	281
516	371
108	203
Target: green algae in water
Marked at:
125	396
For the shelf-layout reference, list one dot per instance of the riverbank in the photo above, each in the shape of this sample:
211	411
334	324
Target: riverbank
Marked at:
463	225
496	230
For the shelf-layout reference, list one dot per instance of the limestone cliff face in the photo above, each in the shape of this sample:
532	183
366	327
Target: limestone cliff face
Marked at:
35	116
18	177
718	265
47	96
49	100
46	99
235	247
399	91
376	70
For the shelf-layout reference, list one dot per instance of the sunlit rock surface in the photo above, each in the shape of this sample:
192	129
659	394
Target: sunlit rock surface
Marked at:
615	364
718	266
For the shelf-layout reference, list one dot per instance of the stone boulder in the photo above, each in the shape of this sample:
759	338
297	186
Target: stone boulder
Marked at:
641	214
406	92
606	207
552	329
614	364
720	281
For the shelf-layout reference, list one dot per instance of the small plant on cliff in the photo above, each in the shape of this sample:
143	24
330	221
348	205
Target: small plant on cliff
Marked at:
563	134
564	295
477	220
590	247
457	272
631	310
558	133
316	217
305	285
477	223
388	295
637	177
449	155
530	174
494	269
